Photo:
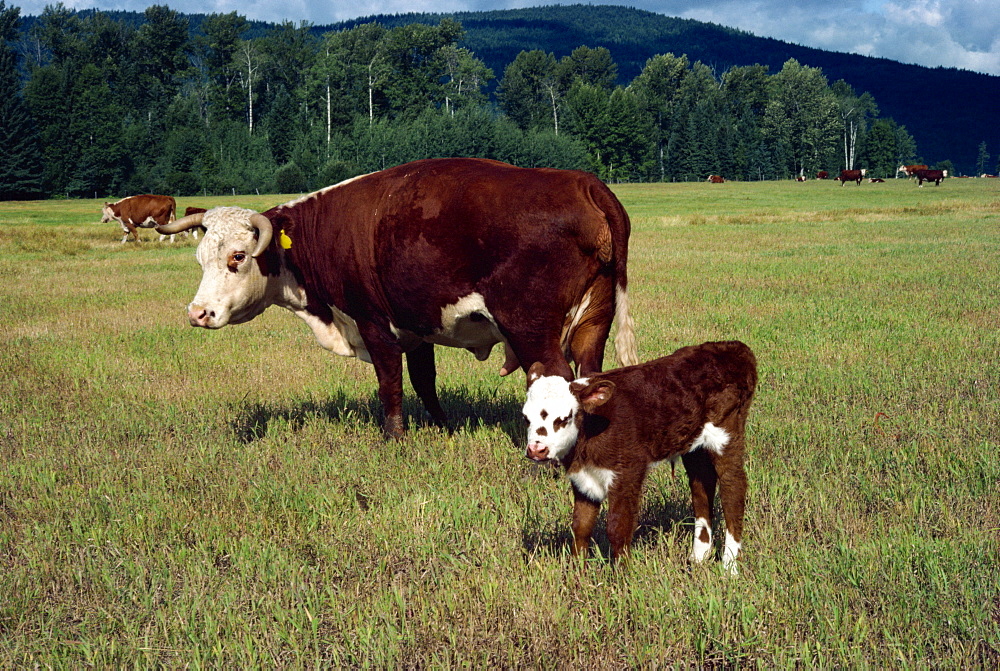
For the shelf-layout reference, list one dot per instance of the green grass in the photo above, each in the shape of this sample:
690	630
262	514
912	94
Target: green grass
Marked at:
176	497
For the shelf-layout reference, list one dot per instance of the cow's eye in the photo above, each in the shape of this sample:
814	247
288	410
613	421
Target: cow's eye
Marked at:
235	259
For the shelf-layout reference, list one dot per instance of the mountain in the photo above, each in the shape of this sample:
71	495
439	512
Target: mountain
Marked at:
948	112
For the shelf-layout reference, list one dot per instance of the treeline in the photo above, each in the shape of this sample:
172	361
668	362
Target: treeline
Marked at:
94	106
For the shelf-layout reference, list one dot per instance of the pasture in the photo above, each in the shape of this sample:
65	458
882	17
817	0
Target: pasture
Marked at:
176	497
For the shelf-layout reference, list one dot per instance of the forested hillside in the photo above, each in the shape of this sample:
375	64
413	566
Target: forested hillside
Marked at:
948	112
106	104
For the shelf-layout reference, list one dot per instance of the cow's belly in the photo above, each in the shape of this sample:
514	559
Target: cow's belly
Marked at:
466	323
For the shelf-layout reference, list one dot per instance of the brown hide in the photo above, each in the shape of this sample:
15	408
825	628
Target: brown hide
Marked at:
850	176
656	411
929	176
393	248
143	211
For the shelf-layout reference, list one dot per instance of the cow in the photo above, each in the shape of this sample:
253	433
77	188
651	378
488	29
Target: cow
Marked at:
930	176
716	179
876	180
188	211
608	429
909	170
851	176
143	211
458	252
822	174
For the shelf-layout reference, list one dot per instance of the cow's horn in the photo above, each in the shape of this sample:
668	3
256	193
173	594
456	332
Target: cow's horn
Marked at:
264	232
182	224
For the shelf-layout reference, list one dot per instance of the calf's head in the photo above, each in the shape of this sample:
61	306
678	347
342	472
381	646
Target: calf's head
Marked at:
233	289
554	408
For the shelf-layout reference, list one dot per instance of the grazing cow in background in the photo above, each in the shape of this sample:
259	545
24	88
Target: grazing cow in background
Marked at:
143	211
930	176
876	180
715	179
822	174
800	178
188	211
458	252
608	429
851	176
909	170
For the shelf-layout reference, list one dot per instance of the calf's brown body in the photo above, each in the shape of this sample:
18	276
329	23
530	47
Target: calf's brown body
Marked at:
629	418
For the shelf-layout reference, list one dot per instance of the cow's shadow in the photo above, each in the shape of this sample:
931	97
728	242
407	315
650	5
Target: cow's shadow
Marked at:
467	409
663	514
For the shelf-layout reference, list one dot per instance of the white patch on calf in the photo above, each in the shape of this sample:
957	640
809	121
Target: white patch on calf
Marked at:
701	550
729	554
712	438
550	410
593	482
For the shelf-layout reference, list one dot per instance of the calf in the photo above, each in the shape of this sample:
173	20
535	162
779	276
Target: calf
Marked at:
608	429
716	179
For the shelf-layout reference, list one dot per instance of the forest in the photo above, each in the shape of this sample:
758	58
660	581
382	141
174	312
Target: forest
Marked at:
101	104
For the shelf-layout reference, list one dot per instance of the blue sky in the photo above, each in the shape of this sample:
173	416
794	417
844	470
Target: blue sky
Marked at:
954	33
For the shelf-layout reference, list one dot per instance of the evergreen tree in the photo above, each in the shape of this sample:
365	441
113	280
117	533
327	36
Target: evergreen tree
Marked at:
20	150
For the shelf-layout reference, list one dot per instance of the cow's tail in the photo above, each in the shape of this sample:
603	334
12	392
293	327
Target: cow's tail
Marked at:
620	227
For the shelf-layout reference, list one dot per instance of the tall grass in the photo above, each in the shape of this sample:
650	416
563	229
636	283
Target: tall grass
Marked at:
175	497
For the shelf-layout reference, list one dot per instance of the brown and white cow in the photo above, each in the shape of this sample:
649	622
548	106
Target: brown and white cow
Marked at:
822	174
930	176
608	429
909	170
851	176
143	211
716	179
458	252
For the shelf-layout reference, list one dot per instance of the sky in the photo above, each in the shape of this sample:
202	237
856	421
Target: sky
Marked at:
962	34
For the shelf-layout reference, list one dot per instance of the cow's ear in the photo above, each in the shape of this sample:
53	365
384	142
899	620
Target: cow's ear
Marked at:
536	371
594	394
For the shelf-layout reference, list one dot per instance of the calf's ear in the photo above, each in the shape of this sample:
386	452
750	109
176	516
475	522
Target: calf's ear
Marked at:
536	371
593	394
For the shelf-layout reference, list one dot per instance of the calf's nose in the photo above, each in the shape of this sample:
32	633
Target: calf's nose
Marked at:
537	451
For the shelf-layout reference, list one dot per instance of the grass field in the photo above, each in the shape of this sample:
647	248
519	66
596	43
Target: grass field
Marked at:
173	497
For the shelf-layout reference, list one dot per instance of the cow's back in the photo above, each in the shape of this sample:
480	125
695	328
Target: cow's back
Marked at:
425	232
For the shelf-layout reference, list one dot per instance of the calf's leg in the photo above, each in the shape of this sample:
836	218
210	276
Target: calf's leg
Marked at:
702	480
732	494
584	517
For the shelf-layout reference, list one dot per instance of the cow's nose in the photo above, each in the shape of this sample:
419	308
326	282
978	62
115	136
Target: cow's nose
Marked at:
537	451
199	316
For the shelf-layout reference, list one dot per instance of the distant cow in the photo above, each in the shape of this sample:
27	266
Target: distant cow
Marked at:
143	211
188	211
876	180
715	179
909	170
800	178
822	174
608	429
851	176
455	252
930	176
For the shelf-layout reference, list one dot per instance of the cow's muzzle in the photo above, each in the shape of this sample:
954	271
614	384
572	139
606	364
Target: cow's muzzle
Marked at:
199	316
536	451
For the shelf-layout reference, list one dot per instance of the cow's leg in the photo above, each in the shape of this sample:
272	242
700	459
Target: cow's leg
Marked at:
585	514
702	480
420	365
591	334
623	512
387	358
129	228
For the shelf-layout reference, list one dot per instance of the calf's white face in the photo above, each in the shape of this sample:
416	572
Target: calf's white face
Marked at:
233	289
551	410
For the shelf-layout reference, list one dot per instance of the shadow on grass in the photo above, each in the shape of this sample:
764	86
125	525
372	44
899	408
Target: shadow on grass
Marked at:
659	516
467	409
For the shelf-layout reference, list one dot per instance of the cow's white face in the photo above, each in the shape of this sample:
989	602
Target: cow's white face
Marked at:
107	214
233	289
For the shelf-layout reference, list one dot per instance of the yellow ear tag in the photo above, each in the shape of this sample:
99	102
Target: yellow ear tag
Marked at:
284	240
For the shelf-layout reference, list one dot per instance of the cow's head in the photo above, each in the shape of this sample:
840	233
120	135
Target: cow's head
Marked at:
107	214
233	289
553	411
